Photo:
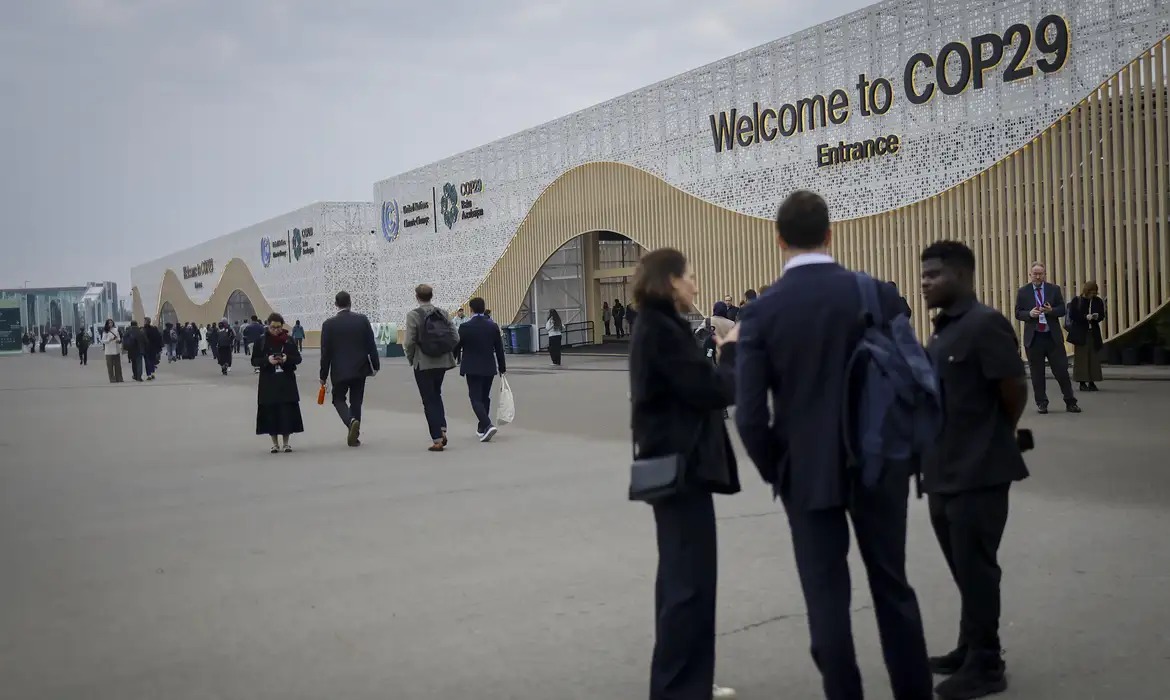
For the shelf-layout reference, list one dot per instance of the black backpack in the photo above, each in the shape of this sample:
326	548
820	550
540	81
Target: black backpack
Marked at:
436	336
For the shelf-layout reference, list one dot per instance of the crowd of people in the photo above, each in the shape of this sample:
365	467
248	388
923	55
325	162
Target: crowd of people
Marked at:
839	435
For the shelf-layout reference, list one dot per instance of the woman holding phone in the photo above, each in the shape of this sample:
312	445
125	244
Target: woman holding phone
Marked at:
278	411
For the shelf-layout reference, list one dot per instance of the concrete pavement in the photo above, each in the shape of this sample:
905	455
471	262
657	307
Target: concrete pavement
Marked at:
152	548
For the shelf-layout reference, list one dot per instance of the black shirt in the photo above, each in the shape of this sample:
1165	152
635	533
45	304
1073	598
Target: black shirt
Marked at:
973	348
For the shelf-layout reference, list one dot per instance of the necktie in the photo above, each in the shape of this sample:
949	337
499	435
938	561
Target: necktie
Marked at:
1043	326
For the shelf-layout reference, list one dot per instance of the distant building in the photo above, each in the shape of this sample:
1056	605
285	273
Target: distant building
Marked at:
72	308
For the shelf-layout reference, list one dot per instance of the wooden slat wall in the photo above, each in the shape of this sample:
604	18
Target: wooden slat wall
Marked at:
1090	197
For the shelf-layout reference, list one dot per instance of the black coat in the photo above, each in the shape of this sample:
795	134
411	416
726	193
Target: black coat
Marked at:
1081	330
276	387
481	348
678	400
154	340
348	348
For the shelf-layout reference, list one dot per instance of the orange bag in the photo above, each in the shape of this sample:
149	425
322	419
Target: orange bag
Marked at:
321	396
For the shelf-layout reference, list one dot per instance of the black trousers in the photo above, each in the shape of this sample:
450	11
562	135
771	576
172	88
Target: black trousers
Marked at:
64	350
83	354
820	542
617	326
683	665
554	348
606	327
479	390
969	527
1044	346
430	389
355	389
136	362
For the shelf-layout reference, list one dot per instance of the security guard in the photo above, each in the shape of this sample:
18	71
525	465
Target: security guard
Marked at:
976	354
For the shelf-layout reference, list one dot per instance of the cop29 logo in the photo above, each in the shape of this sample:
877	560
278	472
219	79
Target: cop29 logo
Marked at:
390	220
266	251
450	204
296	243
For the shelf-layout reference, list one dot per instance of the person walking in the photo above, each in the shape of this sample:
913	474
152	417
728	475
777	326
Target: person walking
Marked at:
153	351
134	343
975	460
1040	305
481	357
170	338
429	344
213	341
555	330
298	335
110	350
224	340
677	403
238	342
278	410
83	342
1085	315
800	450
349	354
619	315
64	337
606	317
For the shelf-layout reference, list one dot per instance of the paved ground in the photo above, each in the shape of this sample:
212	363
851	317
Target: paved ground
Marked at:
151	548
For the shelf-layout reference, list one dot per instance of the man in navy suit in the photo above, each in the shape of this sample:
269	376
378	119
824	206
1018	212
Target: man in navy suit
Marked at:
481	357
795	342
1040	305
349	354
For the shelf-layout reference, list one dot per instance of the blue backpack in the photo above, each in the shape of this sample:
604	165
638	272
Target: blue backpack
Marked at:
893	409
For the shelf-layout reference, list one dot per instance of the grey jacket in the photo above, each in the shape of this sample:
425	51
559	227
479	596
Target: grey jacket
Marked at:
414	355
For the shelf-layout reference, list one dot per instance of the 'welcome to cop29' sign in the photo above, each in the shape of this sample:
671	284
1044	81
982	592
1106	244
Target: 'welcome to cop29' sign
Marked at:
1018	53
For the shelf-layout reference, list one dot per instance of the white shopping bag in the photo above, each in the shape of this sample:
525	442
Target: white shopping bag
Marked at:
507	410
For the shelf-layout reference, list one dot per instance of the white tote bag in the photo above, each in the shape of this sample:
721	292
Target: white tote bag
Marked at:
507	410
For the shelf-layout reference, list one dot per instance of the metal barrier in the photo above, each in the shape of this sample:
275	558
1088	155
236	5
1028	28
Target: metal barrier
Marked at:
575	335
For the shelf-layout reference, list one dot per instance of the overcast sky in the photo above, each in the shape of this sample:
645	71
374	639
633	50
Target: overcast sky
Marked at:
134	128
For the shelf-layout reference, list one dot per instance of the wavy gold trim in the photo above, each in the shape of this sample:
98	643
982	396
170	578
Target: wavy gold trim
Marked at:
235	276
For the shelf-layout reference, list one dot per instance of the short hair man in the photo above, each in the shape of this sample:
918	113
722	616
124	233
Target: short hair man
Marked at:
976	356
1040	305
481	358
350	354
817	304
429	343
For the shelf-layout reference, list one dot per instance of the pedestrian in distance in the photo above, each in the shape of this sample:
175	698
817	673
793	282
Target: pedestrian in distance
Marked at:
153	350
278	410
298	335
64	337
429	344
112	351
480	353
349	354
135	345
555	329
677	403
1040	305
976	354
804	450
224	339
83	342
1086	313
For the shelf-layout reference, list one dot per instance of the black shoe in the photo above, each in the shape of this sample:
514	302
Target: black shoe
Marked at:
1093	386
1085	386
948	664
1073	408
1041	409
982	674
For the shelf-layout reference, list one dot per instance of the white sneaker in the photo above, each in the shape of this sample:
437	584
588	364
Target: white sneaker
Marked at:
487	436
721	693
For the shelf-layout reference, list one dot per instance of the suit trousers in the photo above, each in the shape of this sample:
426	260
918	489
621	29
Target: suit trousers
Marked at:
136	365
820	540
83	355
1045	346
430	389
356	390
683	665
969	527
479	390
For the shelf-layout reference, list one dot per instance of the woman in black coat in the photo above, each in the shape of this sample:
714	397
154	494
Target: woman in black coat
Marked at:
1085	314
678	400
278	411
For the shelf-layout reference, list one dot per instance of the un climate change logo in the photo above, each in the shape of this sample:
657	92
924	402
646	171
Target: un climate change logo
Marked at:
390	220
450	204
265	251
296	243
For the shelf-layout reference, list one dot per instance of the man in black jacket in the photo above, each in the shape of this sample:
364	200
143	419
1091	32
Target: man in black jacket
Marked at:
350	354
1040	305
481	354
134	343
153	352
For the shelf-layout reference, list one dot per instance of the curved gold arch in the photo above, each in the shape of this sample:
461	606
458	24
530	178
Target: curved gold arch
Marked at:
1090	196
235	276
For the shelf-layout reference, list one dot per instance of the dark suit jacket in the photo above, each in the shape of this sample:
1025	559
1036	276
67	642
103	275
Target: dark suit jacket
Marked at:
481	348
1081	330
1026	301
678	400
794	344
348	349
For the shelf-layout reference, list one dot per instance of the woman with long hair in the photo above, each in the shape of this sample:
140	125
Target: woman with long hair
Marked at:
1085	314
278	411
113	354
555	330
678	400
